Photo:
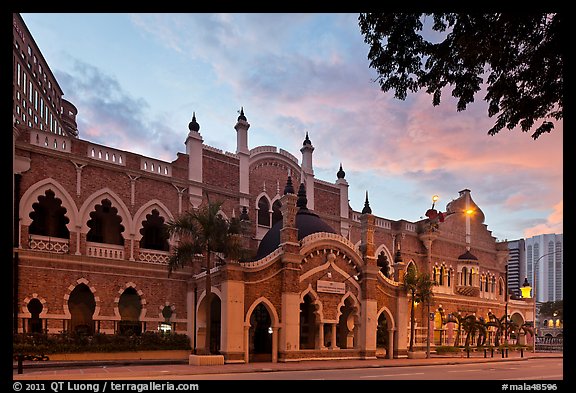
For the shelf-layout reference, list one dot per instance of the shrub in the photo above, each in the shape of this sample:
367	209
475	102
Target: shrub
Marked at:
447	349
34	344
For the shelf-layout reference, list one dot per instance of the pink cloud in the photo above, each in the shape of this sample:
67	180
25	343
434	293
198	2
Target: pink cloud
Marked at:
554	223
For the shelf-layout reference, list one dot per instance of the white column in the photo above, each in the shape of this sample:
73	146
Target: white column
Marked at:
232	327
290	334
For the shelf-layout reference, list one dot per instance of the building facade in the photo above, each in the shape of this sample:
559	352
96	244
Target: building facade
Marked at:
516	266
324	281
544	266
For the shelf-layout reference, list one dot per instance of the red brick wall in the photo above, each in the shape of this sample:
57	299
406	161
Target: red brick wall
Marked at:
220	170
327	200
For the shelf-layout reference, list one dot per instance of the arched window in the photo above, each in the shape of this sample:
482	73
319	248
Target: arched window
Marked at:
464	276
49	217
263	212
154	236
442	273
383	263
105	224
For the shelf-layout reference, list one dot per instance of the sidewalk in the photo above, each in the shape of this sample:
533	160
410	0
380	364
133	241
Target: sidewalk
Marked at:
147	369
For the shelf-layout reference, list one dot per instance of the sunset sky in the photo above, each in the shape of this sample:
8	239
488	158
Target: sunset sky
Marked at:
136	79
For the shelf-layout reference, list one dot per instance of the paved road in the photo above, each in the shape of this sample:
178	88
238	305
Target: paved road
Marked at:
541	370
332	369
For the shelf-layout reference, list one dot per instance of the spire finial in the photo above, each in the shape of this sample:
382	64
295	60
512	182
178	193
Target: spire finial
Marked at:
307	140
241	117
289	188
341	173
367	209
193	125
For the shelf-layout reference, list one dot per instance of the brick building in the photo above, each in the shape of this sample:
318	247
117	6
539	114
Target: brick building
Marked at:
325	280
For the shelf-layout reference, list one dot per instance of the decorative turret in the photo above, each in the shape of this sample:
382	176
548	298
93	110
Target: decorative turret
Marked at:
243	153
367	233
289	188
195	151
241	128
366	209
302	201
344	207
307	176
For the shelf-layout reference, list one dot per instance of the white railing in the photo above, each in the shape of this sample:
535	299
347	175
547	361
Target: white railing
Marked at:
49	244
153	256
50	141
155	166
382	223
108	251
106	154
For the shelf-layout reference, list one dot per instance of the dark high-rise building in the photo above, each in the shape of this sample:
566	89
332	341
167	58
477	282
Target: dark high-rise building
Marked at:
36	95
516	269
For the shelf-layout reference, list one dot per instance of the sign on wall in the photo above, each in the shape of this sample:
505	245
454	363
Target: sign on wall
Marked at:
330	287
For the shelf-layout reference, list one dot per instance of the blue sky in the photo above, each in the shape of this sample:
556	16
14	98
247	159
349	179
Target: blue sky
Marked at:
136	79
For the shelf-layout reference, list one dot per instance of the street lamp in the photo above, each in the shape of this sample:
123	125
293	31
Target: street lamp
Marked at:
526	289
534	265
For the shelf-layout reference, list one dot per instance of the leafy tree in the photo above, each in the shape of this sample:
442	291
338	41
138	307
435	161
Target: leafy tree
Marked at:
204	232
419	286
517	55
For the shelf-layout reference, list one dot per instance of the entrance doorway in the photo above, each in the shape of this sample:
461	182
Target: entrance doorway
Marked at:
260	335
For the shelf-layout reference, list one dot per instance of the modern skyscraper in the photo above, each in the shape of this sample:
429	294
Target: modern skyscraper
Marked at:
516	266
545	259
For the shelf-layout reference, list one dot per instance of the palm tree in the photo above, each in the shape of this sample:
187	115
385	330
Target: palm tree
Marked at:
514	327
419	286
501	324
472	326
202	232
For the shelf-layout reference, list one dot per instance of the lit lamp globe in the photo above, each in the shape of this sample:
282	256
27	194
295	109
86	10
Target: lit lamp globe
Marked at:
526	289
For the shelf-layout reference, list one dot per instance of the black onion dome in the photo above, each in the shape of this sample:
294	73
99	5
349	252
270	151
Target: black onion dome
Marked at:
307	140
193	125
307	223
242	117
341	173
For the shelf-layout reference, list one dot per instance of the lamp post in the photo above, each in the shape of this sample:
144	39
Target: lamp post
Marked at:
506	308
534	293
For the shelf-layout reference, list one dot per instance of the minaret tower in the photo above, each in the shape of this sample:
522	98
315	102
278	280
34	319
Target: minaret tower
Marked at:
243	153
307	176
344	210
194	150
